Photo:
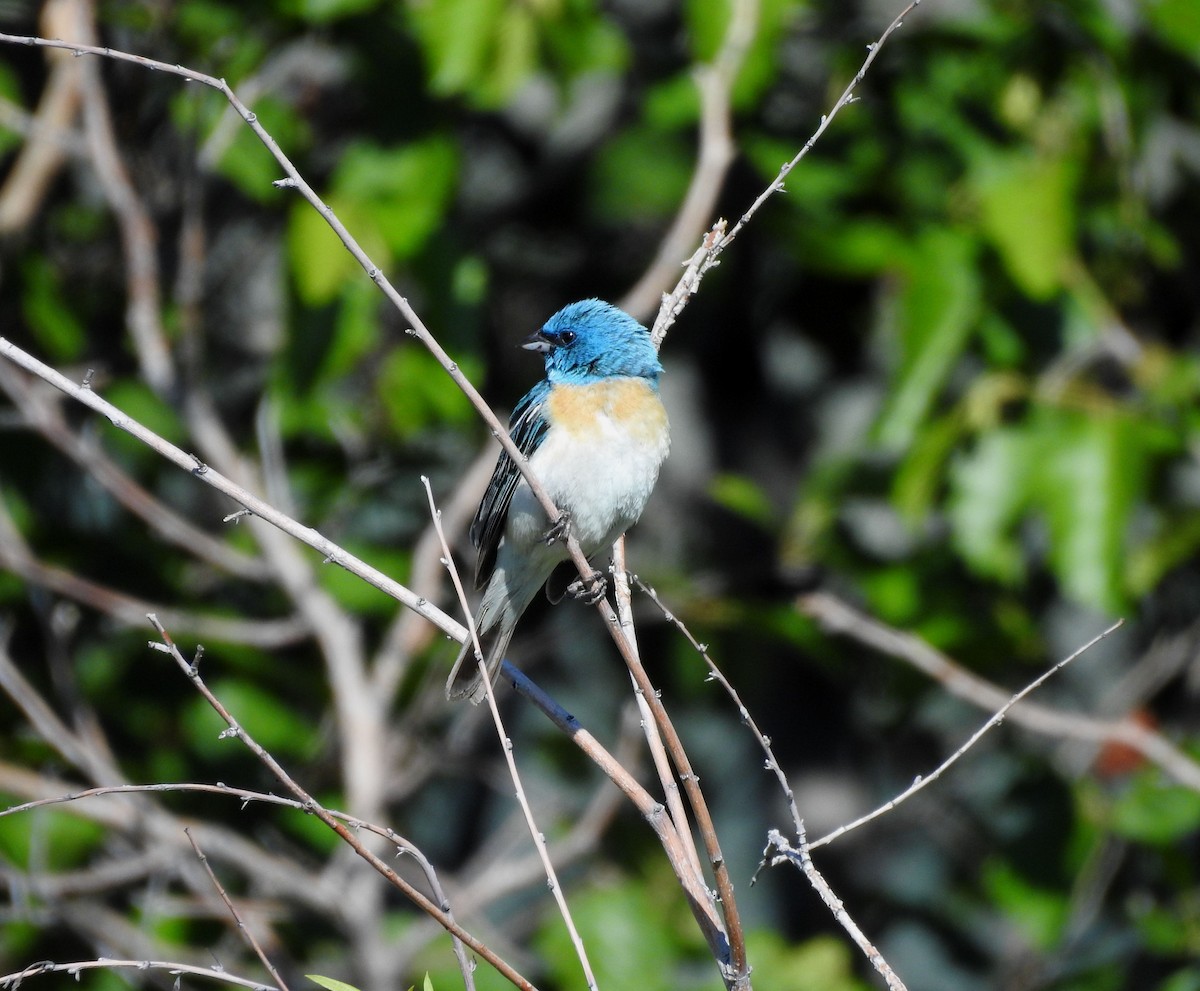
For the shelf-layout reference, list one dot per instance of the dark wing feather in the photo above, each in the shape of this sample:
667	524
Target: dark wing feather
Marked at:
527	428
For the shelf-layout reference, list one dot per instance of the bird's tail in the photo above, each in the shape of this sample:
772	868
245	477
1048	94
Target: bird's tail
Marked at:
465	681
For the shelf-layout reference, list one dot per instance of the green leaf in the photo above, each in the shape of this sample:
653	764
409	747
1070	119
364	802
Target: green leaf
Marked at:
744	497
989	489
330	983
1040	913
1177	541
627	935
1081	473
919	478
623	189
390	199
1156	813
478	48
823	963
268	720
418	393
320	262
937	309
1177	22
62	840
48	313
326	11
403	192
1090	470
1027	211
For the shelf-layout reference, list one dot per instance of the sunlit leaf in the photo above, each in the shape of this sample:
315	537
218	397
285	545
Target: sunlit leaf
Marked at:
936	311
990	488
1089	471
330	983
627	935
1027	210
326	11
1177	22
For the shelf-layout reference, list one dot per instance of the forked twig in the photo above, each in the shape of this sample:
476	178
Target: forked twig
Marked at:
779	851
996	719
311	805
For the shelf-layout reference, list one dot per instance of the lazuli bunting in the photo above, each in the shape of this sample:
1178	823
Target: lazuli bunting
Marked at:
595	433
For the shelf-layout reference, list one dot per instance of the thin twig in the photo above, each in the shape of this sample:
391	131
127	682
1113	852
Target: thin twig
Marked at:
211	476
715	674
996	719
506	745
662	764
779	851
836	616
311	805
680	852
214	973
237	919
719	237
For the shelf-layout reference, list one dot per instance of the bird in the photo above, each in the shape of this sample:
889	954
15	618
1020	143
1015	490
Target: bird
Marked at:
595	433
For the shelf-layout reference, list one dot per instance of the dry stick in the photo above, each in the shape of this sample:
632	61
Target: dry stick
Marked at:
836	616
214	973
191	464
679	850
403	846
237	919
657	751
798	856
996	719
139	237
248	796
718	238
818	882
715	674
45	415
506	744
311	805
714	82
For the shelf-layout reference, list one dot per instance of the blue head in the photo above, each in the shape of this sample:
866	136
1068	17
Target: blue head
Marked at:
593	339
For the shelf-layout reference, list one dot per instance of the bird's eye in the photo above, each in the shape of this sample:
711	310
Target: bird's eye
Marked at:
567	337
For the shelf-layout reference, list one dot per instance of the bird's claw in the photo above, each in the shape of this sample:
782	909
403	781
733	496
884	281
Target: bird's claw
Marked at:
589	589
560	529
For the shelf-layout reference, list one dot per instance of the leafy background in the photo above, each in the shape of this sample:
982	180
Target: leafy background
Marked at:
950	374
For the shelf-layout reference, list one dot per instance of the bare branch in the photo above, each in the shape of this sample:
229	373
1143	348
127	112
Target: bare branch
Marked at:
242	928
714	82
996	719
258	507
719	238
836	616
311	805
780	851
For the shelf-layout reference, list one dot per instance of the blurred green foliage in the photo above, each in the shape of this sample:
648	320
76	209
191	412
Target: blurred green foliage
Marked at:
953	370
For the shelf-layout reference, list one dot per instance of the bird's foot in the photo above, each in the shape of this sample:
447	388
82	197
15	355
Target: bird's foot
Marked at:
560	529
589	589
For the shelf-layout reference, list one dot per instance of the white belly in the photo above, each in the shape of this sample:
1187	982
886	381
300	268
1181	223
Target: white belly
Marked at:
601	473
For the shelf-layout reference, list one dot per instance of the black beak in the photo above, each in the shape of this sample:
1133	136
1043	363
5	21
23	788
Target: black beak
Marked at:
538	341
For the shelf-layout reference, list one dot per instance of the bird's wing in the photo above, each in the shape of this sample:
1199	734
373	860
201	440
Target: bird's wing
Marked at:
527	428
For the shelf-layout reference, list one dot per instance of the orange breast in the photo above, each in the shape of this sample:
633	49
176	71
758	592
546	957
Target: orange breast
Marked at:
629	404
